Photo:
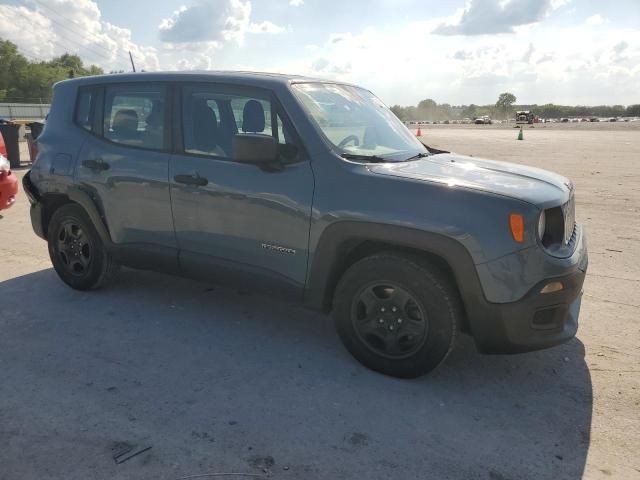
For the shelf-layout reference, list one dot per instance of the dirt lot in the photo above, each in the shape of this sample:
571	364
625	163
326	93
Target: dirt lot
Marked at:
217	380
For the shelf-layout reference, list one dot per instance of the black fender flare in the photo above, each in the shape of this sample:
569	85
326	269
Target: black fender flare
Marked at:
341	237
83	199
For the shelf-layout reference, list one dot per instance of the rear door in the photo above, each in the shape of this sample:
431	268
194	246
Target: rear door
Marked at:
124	161
231	217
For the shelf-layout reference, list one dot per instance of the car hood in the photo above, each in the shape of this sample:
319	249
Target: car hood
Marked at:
533	185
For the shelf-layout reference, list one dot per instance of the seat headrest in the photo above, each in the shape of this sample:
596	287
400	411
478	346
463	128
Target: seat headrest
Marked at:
253	117
155	117
125	122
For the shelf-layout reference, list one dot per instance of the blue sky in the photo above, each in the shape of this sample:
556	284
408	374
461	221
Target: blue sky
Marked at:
458	51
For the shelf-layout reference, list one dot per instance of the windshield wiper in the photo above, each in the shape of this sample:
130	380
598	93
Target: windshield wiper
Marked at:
418	155
366	158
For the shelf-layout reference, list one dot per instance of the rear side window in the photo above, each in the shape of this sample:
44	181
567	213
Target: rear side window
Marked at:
84	108
134	115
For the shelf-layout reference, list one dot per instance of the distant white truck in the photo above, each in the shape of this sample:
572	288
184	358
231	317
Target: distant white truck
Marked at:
524	117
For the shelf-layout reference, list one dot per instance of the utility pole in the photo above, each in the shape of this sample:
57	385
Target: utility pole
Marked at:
133	65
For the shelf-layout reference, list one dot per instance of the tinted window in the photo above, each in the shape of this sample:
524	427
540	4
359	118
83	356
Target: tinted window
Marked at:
84	118
211	118
134	115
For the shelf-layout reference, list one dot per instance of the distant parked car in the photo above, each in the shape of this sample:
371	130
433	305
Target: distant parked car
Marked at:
8	183
613	119
483	120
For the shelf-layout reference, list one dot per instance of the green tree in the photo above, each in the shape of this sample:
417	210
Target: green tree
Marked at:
469	111
25	81
399	112
504	103
427	109
633	110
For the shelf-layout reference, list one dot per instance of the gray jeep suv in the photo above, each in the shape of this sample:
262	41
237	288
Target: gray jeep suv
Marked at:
313	189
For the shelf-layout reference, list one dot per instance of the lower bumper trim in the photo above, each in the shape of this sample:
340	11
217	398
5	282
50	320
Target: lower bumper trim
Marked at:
537	321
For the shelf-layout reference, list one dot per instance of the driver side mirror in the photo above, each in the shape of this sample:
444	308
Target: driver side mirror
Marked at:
254	148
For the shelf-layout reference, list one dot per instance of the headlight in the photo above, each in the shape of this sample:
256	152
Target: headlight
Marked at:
542	225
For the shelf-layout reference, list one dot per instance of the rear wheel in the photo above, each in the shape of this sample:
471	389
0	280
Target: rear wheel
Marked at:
76	250
397	315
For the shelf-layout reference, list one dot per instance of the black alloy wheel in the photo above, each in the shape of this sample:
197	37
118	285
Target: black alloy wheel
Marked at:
389	320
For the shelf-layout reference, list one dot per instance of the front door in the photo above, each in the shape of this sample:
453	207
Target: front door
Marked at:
231	216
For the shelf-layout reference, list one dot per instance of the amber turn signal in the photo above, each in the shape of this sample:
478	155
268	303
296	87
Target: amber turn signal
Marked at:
516	224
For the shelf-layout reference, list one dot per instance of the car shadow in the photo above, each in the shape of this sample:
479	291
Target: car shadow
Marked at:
220	379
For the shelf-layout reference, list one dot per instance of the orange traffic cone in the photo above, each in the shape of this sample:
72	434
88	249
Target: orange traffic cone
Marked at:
419	132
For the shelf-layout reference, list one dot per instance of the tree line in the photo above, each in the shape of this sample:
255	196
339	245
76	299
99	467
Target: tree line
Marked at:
505	108
29	81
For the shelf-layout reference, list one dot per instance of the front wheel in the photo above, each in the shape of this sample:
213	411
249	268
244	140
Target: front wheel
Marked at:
397	315
76	250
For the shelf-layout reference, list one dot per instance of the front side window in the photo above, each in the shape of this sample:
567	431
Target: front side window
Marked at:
134	115
356	122
212	116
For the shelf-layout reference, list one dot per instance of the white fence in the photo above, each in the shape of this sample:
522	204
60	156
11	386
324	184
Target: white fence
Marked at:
24	111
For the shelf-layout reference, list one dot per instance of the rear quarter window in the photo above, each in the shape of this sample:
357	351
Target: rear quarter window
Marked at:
84	108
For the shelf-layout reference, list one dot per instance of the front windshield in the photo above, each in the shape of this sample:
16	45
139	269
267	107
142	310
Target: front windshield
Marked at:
356	122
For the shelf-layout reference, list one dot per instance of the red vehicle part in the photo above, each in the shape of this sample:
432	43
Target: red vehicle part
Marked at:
3	147
8	184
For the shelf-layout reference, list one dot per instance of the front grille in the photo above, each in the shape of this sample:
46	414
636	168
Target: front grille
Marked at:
569	213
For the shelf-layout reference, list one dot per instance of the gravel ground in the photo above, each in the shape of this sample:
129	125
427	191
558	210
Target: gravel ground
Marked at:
217	380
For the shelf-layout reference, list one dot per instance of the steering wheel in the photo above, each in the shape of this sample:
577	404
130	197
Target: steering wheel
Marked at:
350	138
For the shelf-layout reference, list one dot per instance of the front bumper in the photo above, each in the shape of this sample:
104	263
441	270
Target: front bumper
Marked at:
537	321
534	320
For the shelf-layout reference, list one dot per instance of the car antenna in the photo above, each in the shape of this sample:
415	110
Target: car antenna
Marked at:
133	65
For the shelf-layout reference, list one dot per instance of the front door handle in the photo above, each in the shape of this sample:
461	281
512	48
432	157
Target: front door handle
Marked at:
99	164
191	180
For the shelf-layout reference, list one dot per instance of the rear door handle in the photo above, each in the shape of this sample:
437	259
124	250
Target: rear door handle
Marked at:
191	180
98	164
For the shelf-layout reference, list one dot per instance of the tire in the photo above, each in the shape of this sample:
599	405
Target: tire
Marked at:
396	314
77	251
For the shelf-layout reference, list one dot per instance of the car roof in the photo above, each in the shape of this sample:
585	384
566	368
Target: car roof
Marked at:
248	78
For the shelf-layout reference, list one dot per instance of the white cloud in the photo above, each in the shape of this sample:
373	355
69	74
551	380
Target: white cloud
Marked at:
594	20
541	65
265	27
213	21
462	55
296	3
545	58
528	54
53	27
403	63
480	17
